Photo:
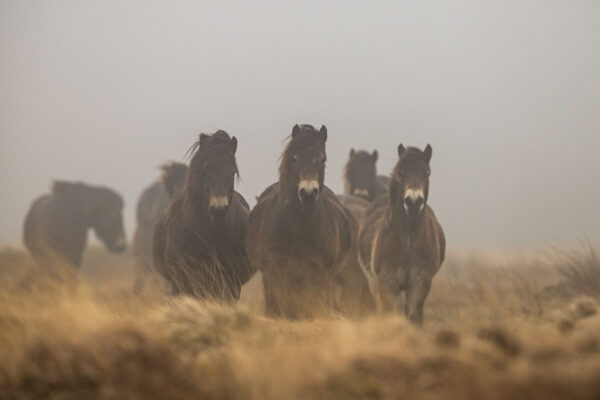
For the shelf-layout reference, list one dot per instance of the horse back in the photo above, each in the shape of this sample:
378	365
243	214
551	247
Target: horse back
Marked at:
53	230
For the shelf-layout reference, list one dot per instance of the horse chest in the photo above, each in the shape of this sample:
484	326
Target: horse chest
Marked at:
397	249
301	244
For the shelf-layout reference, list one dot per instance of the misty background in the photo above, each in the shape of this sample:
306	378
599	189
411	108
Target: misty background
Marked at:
507	93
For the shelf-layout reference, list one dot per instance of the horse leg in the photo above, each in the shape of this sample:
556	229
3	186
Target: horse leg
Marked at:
271	309
416	293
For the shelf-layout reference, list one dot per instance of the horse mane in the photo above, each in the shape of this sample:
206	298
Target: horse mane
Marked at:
173	176
63	187
411	153
304	138
202	152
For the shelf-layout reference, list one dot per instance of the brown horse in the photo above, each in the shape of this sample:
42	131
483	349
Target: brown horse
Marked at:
401	243
300	237
151	206
199	242
56	227
360	176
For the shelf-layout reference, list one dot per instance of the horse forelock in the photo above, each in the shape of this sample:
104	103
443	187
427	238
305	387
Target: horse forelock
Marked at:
307	137
62	187
211	155
411	156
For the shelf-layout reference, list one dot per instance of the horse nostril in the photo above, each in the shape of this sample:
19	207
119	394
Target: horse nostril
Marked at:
219	211
413	202
309	194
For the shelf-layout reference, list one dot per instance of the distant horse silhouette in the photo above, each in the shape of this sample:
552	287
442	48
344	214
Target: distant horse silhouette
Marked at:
56	227
152	204
360	176
199	242
301	238
401	243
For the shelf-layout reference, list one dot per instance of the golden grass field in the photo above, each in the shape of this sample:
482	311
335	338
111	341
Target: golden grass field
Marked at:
498	325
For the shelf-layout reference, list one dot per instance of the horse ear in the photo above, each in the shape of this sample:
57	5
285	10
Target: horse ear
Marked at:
233	144
375	155
352	153
62	187
427	152
295	131
401	150
323	133
203	138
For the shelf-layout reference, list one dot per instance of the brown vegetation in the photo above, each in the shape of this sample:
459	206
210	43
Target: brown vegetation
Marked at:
493	330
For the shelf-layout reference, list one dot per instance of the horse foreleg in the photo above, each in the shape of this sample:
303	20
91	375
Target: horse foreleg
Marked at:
416	293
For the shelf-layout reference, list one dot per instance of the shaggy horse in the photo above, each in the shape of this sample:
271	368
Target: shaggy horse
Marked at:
301	238
401	243
151	206
360	176
56	227
199	242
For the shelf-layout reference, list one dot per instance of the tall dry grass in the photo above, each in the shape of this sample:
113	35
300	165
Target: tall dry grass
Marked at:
494	330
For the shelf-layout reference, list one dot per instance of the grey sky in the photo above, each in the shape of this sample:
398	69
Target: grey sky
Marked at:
507	93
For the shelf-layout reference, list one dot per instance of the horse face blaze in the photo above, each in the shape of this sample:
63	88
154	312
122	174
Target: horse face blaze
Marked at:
308	191
414	201
310	169
221	193
412	179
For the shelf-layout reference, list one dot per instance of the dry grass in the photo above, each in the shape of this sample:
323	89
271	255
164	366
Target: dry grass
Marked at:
580	269
494	329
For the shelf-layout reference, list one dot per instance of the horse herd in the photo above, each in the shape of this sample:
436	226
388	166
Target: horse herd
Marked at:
378	246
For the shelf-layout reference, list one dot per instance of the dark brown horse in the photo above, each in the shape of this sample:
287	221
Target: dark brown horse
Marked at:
199	242
360	176
56	227
401	243
300	237
151	206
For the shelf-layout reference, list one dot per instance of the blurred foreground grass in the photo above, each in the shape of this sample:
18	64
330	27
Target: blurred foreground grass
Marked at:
503	325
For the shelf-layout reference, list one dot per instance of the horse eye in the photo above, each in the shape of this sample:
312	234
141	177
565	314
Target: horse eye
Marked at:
295	159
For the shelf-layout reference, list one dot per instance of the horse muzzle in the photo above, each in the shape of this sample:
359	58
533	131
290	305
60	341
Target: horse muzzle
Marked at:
218	207
414	201
363	193
308	191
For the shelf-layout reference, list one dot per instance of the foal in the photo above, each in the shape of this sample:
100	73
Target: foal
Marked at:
401	243
199	242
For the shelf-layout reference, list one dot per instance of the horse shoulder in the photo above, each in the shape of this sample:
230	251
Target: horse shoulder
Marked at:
435	234
237	197
343	218
373	223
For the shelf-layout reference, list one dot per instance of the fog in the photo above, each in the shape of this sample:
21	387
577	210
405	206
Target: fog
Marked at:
507	93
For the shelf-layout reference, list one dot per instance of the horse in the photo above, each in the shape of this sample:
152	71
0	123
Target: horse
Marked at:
301	238
199	242
152	204
56	226
360	176
356	205
401	243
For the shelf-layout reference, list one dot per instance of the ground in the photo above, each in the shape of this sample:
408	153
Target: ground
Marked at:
497	325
